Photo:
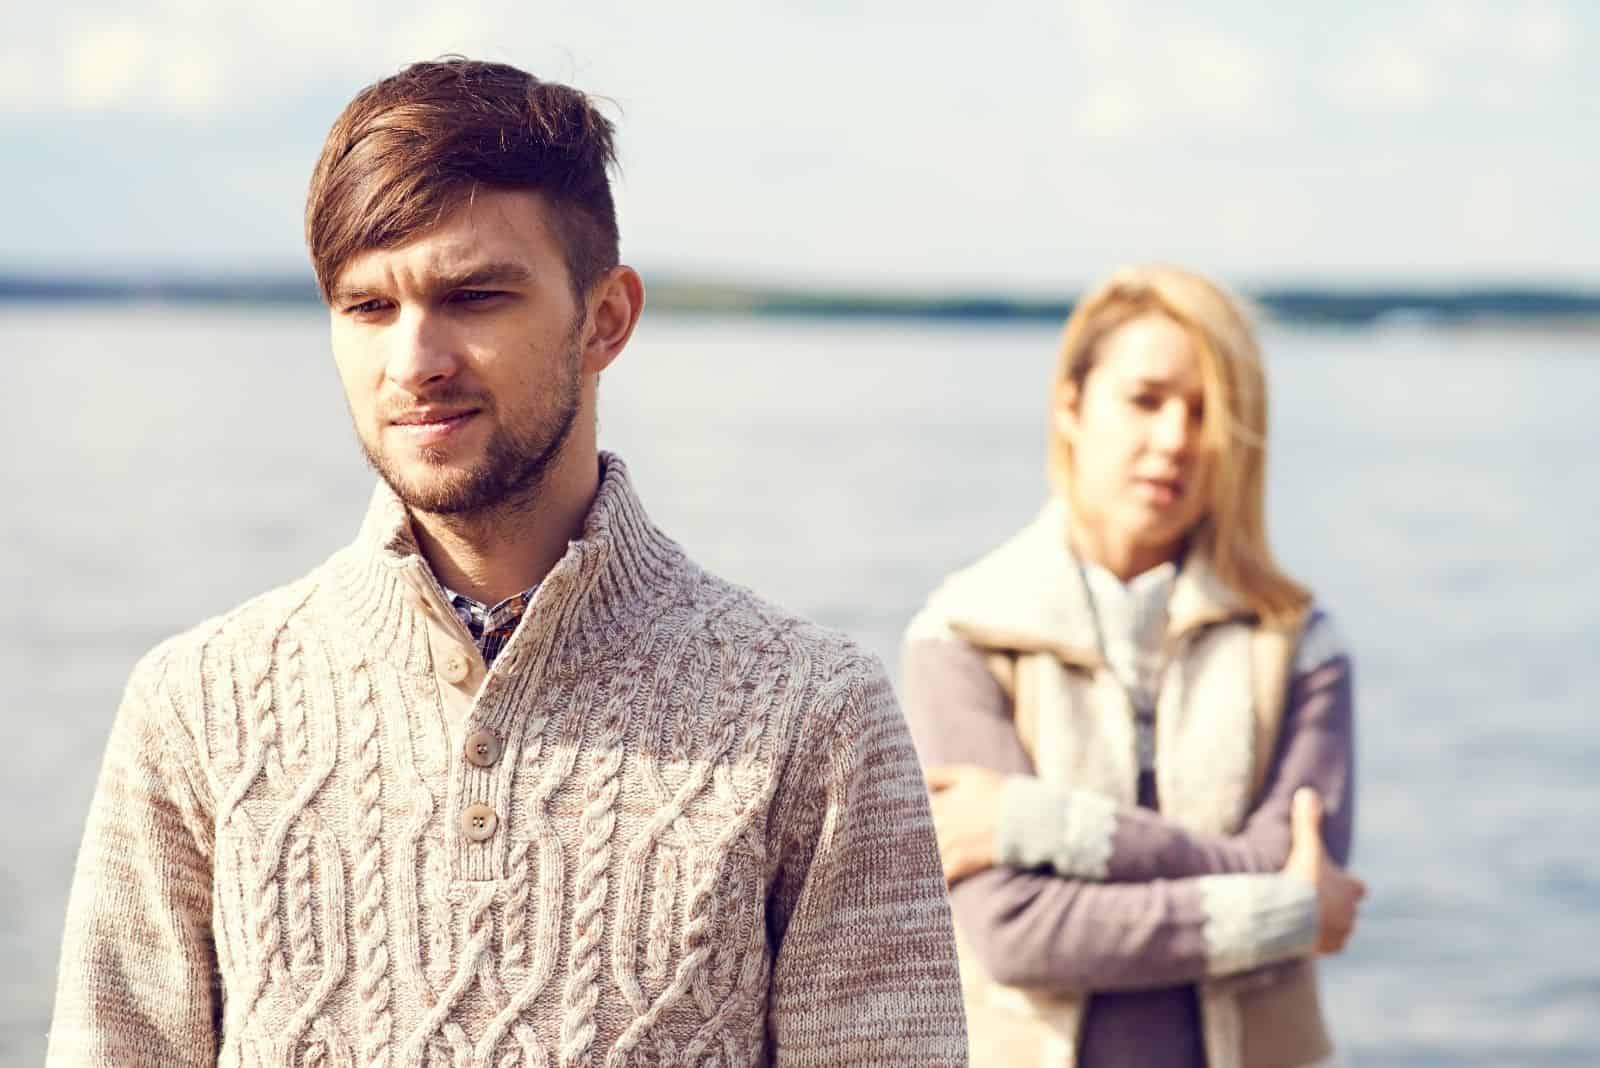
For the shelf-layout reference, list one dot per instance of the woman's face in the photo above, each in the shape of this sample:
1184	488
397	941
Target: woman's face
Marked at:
1139	473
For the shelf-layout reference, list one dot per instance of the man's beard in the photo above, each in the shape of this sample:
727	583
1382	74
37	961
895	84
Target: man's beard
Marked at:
516	460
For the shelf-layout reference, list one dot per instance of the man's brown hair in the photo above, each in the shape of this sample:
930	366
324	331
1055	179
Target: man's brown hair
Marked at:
413	147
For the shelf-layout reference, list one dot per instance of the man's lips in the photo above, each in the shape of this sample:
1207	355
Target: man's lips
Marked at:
424	426
430	414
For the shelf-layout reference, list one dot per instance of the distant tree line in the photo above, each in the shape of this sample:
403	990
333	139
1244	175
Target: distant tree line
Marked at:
1311	305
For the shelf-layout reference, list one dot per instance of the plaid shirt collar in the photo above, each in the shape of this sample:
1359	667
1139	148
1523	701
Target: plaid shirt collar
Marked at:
490	628
616	571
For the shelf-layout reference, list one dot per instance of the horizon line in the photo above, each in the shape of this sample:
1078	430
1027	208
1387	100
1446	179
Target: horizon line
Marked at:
1331	303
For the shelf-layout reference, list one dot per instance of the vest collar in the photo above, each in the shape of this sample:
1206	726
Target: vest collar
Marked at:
1028	595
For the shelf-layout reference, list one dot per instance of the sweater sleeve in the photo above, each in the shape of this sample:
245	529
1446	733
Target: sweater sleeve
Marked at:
138	983
1081	834
865	970
1042	929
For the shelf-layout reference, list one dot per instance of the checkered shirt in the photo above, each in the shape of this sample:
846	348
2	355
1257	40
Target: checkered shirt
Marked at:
490	627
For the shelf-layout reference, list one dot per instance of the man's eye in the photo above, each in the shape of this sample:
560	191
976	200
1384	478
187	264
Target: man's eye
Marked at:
366	307
1147	401
474	296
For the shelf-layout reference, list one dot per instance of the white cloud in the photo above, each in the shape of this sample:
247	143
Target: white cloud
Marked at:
1543	35
1142	77
104	64
197	83
1389	76
1457	23
1491	209
22	75
187	57
1010	142
1412	57
1536	32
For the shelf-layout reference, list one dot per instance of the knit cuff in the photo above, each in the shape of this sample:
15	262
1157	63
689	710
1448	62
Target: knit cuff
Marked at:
1253	920
1046	825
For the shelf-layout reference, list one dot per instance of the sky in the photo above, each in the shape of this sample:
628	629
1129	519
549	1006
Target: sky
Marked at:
996	146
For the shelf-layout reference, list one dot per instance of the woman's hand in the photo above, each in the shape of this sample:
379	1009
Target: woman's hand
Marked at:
966	811
1338	892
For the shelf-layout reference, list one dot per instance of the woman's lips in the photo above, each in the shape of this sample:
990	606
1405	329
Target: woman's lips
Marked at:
430	428
1161	491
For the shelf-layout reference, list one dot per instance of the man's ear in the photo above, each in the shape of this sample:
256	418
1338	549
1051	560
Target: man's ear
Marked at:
615	302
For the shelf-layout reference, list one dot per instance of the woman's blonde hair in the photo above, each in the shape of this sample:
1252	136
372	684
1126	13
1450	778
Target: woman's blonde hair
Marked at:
1232	531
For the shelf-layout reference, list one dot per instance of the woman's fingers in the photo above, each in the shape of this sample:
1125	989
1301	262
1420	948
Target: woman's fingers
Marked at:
961	821
1339	895
1306	817
958	863
1335	939
950	776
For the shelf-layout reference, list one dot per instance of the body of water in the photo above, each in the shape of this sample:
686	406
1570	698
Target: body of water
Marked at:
1436	487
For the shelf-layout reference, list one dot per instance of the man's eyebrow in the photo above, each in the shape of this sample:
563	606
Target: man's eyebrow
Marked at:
488	274
344	296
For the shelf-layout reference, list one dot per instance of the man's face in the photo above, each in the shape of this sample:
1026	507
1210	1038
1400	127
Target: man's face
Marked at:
459	353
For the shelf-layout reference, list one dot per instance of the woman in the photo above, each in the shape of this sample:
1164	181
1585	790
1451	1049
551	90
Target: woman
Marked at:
1132	721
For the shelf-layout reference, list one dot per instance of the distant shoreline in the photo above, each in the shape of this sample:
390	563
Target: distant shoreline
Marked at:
1332	306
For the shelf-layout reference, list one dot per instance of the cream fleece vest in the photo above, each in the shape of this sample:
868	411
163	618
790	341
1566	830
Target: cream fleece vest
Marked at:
1218	713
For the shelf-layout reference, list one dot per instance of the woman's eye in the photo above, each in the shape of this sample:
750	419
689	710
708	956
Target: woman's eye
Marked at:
1147	401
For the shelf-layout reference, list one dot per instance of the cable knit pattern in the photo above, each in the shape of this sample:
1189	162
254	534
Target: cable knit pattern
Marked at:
372	951
699	835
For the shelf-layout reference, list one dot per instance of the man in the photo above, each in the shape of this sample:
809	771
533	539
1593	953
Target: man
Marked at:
508	782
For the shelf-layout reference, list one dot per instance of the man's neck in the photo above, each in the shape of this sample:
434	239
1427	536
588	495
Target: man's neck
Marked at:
503	551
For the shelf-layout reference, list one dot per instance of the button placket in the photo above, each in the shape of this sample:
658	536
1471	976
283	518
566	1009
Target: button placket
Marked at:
475	787
454	654
477	794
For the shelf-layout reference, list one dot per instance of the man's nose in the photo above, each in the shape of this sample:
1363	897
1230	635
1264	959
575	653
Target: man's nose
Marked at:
423	353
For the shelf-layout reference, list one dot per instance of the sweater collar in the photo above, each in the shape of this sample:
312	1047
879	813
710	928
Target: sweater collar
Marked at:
1028	595
608	576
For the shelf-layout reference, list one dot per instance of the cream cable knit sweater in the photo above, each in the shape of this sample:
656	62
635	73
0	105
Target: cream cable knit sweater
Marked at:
671	825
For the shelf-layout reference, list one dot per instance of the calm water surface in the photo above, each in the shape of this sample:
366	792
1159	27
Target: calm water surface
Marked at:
1437	488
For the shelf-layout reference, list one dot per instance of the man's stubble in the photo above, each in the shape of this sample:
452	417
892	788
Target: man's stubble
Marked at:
515	463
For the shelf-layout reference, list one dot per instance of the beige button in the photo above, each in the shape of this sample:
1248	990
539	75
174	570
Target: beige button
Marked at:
454	665
478	822
483	747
